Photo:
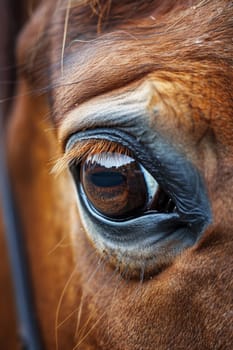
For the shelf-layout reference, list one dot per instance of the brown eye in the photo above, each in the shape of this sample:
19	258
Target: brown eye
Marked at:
116	184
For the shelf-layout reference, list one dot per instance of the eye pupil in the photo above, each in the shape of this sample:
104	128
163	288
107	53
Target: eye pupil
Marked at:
114	184
107	179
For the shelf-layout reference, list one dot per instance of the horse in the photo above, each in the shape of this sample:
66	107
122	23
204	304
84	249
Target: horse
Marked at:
118	131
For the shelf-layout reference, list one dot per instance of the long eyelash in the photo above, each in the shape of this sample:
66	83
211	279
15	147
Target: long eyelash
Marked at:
85	148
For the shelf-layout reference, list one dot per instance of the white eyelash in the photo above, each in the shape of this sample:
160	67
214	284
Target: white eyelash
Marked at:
111	160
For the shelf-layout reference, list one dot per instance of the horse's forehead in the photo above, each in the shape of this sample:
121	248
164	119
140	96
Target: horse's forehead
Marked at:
86	63
79	58
72	37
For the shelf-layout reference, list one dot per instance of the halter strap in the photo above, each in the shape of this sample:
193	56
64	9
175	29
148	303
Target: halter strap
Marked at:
26	313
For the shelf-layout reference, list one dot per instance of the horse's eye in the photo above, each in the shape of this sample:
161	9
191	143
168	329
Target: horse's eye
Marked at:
138	208
116	185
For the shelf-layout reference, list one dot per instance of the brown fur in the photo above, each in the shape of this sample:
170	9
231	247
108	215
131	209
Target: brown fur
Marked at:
184	50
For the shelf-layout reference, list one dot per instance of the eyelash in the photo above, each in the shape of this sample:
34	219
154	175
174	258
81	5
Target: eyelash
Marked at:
82	149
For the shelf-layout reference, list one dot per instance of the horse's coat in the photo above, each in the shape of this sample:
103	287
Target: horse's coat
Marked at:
162	66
